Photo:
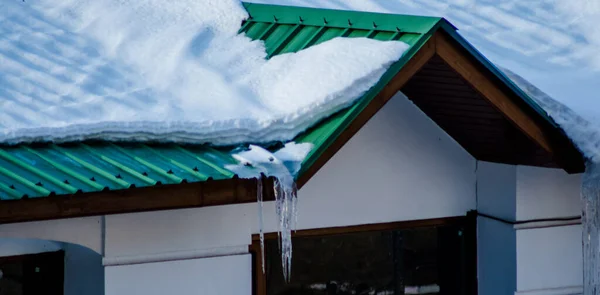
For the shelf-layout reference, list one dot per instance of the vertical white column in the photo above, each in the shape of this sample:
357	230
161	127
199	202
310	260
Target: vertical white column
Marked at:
496	241
549	256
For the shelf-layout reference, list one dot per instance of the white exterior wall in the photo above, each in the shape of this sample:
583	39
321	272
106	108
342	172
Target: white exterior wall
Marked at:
84	272
400	166
496	241
81	231
16	247
549	259
215	276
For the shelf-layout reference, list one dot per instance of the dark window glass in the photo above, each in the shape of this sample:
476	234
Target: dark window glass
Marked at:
32	274
407	261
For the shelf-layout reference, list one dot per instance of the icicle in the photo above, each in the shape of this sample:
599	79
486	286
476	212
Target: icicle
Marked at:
259	199
590	197
282	165
285	189
295	208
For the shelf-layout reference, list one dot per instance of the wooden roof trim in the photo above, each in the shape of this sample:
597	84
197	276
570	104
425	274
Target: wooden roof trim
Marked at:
162	197
400	79
472	73
483	80
535	127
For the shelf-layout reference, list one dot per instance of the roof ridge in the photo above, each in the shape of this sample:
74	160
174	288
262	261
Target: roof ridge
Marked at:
284	14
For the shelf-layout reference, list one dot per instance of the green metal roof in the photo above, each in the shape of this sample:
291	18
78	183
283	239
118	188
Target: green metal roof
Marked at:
289	29
44	170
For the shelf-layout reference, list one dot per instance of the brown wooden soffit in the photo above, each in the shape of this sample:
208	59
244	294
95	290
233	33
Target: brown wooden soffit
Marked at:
510	105
555	148
161	197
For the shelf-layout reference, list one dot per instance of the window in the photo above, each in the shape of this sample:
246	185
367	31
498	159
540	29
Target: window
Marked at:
426	257
32	274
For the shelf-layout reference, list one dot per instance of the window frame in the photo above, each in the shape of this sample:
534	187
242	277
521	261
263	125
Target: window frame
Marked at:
259	279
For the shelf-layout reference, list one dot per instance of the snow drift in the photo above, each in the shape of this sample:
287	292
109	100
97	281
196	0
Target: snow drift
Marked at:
584	134
177	71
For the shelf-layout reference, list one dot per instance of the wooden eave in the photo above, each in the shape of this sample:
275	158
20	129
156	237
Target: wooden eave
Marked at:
528	138
162	197
530	135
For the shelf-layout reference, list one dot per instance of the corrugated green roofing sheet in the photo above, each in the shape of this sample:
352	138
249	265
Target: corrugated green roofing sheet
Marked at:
43	170
27	171
289	29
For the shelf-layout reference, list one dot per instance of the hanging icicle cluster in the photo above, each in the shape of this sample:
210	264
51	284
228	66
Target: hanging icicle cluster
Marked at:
257	162
286	202
286	199
259	200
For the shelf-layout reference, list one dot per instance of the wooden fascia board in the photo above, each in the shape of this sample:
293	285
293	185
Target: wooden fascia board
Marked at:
420	58
162	197
527	121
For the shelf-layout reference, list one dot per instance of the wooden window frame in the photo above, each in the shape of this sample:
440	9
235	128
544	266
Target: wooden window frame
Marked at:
259	279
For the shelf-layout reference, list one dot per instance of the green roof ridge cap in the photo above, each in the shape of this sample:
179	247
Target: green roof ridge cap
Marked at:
283	14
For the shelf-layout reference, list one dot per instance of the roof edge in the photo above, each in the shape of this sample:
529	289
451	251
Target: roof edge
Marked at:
283	14
423	50
131	200
571	161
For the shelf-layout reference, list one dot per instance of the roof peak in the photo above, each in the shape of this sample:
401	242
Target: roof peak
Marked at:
283	14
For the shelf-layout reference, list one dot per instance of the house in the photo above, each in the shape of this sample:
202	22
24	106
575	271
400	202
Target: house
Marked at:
445	177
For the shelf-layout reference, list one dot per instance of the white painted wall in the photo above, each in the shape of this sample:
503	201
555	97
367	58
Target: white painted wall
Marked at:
82	231
15	247
549	260
400	166
547	193
84	272
496	241
497	189
229	275
178	230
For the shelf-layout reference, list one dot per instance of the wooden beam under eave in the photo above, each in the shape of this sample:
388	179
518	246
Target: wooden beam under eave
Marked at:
527	121
161	197
420	58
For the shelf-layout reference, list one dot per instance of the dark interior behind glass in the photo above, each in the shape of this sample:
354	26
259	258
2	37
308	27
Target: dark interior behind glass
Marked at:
430	260
32	274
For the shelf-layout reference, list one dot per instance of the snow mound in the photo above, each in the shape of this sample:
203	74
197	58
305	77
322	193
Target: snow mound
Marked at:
167	71
584	134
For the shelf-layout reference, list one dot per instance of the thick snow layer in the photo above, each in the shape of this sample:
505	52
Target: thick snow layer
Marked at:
554	44
166	71
256	160
585	134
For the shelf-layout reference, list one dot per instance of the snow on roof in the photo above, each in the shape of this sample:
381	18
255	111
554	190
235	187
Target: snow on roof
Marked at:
178	71
167	71
585	135
552	43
